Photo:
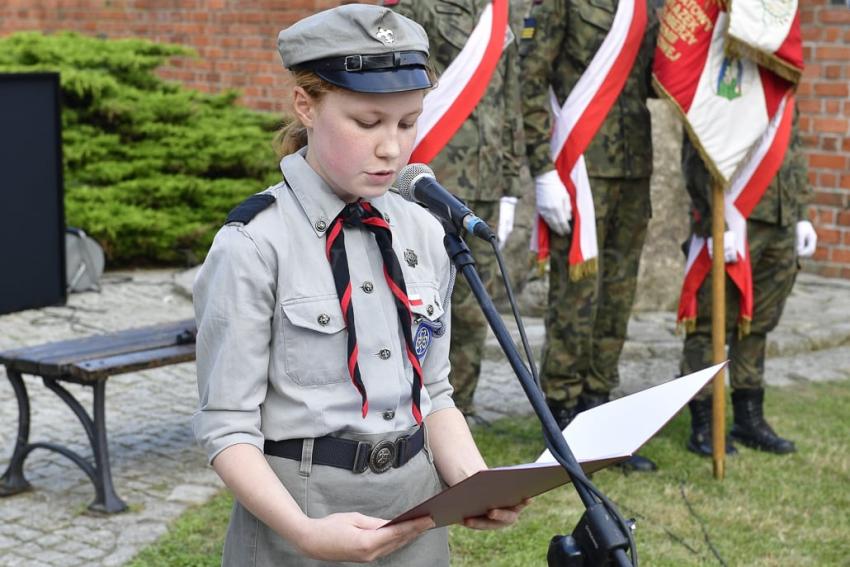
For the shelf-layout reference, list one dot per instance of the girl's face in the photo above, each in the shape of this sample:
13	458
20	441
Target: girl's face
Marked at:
358	142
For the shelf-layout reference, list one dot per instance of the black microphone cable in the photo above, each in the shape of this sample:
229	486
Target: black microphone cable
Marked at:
577	475
453	211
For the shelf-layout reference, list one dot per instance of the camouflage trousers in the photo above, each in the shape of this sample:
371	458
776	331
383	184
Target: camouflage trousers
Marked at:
469	326
774	263
586	320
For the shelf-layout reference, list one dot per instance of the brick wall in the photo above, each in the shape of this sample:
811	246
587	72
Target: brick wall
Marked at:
824	100
235	40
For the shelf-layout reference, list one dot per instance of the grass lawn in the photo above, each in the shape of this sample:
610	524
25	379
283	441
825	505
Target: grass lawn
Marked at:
770	510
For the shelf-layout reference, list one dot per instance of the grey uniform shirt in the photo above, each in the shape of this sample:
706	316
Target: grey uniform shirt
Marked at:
271	344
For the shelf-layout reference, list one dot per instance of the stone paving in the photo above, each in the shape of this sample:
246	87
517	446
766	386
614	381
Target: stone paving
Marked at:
157	467
811	343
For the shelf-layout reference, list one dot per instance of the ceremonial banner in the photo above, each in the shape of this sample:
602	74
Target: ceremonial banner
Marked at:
768	32
726	102
462	84
578	120
740	199
738	115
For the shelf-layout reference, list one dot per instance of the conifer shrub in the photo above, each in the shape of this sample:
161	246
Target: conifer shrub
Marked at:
151	168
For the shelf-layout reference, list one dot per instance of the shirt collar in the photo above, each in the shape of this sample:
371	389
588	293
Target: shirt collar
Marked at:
317	199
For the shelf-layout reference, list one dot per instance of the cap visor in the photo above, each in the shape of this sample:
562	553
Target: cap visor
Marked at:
379	80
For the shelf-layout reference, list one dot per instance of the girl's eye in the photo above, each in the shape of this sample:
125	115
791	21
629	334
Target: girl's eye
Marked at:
407	125
366	124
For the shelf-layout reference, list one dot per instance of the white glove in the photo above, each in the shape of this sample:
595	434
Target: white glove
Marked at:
730	248
507	207
553	202
807	239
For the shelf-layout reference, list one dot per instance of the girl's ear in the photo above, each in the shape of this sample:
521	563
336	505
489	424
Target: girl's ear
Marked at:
304	107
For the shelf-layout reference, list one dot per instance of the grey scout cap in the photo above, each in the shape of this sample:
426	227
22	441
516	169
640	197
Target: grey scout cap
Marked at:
359	47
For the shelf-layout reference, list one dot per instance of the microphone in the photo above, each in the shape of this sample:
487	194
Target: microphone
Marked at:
416	182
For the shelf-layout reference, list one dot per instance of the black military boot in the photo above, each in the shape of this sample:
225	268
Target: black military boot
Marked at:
590	400
563	414
751	429
700	441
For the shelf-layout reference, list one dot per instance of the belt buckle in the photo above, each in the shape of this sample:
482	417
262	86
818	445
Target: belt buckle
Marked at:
354	63
382	457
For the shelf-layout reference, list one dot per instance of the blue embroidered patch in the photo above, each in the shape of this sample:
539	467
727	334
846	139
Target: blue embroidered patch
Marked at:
422	340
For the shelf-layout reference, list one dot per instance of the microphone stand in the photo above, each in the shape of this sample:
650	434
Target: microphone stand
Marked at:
597	539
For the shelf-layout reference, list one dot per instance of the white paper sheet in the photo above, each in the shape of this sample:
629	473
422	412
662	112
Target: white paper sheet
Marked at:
598	437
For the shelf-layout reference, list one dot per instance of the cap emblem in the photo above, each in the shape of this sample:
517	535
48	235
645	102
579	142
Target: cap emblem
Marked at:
385	36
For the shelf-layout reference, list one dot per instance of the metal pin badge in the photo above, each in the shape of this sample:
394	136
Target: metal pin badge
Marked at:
411	258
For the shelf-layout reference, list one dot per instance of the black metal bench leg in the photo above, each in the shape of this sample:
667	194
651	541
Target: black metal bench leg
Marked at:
106	500
13	480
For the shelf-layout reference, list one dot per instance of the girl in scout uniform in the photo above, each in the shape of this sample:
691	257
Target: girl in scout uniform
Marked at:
322	313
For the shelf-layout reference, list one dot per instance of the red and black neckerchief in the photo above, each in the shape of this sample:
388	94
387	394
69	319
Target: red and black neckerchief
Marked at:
362	214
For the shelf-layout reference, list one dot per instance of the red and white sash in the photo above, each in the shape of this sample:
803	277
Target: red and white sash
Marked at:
462	84
744	193
579	119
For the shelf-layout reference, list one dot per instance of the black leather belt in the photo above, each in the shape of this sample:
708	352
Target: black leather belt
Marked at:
355	456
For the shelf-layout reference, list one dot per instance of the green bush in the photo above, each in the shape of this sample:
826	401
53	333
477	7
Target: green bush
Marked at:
151	168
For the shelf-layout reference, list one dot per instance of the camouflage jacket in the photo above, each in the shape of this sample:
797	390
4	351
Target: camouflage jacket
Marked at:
784	202
483	158
559	40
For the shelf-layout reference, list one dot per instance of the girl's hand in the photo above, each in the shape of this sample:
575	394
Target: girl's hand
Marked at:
497	517
355	537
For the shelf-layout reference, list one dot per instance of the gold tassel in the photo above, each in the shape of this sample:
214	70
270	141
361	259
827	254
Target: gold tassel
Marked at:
541	267
584	269
744	327
737	48
688	325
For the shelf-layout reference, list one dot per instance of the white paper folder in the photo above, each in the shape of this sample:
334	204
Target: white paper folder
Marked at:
598	437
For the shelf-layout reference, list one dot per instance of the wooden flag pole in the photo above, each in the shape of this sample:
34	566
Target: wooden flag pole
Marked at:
718	331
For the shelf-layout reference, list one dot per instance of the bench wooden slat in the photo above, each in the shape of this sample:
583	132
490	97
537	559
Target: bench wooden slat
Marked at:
106	349
104	367
52	359
129	335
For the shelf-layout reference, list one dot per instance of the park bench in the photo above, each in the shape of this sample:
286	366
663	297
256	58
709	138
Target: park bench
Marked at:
89	361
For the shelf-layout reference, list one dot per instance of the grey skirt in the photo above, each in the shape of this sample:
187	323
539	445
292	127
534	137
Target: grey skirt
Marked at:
321	490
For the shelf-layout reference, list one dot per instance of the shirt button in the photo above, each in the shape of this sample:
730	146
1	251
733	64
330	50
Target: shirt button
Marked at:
384	353
430	310
367	287
323	319
389	415
321	225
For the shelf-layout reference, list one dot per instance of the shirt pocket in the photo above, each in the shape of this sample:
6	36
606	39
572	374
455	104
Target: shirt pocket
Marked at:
315	346
427	309
594	20
455	22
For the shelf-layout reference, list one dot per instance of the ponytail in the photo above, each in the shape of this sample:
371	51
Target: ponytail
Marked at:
293	135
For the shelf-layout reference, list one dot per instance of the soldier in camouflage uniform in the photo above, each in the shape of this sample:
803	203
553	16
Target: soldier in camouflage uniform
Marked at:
586	320
480	164
778	234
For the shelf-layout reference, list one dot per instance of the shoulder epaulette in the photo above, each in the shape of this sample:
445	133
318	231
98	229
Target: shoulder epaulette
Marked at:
245	211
